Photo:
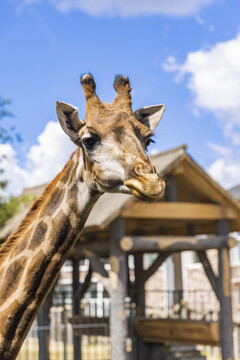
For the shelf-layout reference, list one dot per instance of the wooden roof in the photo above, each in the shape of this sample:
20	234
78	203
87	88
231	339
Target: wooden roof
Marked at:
201	201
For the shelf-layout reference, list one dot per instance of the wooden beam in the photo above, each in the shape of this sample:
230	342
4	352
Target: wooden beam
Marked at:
98	267
178	170
85	285
95	262
189	332
78	292
154	267
174	243
178	211
213	279
206	183
99	247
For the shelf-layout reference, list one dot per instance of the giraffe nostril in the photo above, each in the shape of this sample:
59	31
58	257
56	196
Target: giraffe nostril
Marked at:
138	170
142	169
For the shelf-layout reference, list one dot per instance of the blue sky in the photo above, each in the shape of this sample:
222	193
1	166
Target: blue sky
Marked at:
183	53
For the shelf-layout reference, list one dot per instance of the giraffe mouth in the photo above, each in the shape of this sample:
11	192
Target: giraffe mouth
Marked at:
113	186
153	192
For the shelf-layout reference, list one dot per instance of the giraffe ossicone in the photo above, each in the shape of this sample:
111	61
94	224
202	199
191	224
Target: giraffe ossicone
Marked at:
110	157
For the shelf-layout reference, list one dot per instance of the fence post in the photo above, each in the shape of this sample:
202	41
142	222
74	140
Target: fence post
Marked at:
44	333
76	310
64	322
224	292
41	341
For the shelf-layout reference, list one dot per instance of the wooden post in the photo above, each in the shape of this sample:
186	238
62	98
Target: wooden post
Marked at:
171	196
177	259
76	309
139	297
224	293
139	285
118	280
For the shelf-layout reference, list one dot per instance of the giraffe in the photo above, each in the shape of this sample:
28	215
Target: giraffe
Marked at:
110	157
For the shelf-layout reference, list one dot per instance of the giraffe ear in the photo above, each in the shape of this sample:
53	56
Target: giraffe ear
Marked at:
69	120
150	115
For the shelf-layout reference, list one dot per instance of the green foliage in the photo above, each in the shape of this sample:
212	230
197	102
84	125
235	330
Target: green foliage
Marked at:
7	135
8	207
27	199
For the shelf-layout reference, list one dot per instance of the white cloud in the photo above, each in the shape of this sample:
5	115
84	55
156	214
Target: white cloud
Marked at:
219	149
44	159
16	175
153	151
127	7
225	171
213	77
226	168
171	65
214	80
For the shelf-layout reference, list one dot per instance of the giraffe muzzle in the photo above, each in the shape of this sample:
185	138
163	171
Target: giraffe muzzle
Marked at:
145	183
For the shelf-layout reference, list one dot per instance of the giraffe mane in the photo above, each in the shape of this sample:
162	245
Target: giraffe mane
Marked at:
31	215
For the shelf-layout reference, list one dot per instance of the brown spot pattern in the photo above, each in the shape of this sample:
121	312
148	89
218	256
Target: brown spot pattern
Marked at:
38	236
61	232
72	197
12	276
66	175
35	273
7	316
23	242
54	202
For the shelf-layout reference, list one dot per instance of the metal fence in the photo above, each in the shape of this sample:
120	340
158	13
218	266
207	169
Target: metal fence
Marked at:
55	342
93	346
199	305
90	330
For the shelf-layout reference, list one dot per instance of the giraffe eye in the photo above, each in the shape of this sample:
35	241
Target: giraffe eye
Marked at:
148	142
90	142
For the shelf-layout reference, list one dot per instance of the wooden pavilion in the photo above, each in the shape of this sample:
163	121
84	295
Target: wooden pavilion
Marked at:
120	226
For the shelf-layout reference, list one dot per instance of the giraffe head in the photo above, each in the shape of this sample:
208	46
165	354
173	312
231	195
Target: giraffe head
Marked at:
114	140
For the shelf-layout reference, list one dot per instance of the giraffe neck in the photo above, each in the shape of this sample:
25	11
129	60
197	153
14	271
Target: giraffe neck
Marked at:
33	256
